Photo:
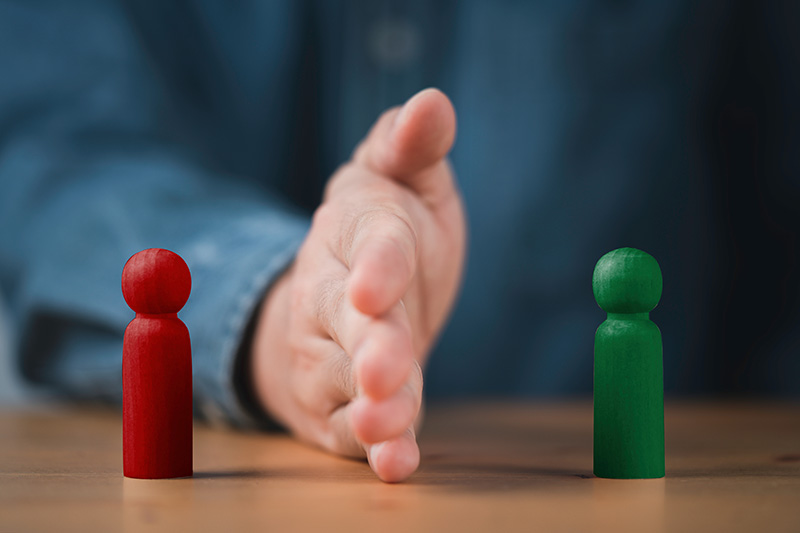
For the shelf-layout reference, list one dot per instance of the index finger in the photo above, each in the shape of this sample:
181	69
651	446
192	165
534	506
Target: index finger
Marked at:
382	256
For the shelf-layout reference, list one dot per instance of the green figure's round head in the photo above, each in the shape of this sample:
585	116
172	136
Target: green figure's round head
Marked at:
627	280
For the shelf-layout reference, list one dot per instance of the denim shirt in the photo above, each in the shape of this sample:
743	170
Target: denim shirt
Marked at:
210	128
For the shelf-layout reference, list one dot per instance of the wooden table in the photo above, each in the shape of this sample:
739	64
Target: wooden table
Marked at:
490	466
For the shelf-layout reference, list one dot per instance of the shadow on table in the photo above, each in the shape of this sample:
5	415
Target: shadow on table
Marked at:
483	477
236	474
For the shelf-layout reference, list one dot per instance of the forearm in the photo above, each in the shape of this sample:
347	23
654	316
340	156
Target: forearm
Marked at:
68	303
89	176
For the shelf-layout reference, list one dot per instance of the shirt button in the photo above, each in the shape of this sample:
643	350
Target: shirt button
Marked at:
394	43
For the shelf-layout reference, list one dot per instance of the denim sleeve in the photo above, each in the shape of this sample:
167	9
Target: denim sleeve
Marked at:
87	180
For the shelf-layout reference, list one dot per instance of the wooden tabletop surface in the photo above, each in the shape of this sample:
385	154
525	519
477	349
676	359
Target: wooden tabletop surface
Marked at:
485	467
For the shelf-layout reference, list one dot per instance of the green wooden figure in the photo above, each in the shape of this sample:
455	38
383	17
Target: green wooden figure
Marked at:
628	368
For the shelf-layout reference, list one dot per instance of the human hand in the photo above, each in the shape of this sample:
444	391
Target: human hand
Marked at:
343	335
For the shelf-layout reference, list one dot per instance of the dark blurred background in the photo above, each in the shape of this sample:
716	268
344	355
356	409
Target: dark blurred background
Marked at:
752	127
668	126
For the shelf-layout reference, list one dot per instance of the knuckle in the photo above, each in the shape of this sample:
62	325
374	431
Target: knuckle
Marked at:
294	342
329	298
396	225
384	221
347	176
360	151
305	383
341	369
325	216
335	181
340	440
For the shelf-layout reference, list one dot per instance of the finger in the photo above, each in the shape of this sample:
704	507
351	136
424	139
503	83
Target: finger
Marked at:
385	358
406	141
326	378
376	421
381	347
394	460
382	258
339	437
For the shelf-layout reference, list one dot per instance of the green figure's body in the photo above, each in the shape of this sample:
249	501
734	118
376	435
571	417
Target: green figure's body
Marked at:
628	368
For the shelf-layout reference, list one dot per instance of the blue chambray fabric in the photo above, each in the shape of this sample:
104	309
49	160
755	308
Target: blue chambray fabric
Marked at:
210	128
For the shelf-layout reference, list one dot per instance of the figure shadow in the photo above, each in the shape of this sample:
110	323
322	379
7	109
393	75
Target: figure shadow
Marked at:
495	477
235	474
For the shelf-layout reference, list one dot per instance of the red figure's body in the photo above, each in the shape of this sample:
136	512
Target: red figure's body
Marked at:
156	368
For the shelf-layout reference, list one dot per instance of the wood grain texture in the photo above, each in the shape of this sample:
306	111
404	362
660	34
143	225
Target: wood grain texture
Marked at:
156	368
485	467
157	384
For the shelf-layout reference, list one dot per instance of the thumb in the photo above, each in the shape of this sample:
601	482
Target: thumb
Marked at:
407	140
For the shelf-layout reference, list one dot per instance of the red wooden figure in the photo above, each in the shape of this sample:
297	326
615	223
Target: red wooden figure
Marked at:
156	368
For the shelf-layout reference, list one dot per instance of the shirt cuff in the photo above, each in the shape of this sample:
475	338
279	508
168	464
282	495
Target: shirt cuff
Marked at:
232	269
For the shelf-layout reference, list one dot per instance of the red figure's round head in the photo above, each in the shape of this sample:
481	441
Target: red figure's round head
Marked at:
156	281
